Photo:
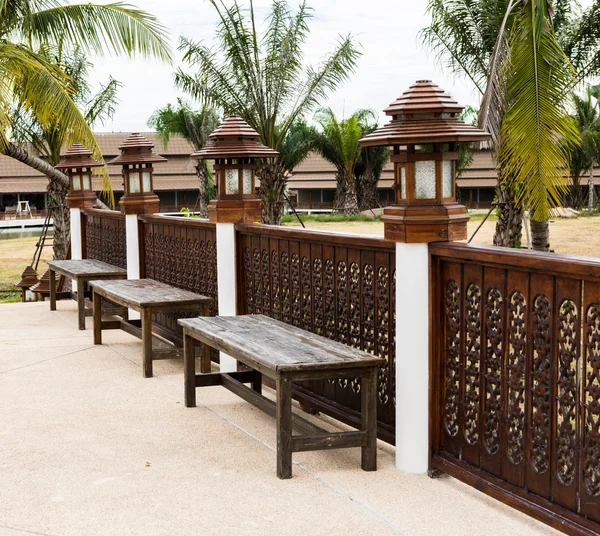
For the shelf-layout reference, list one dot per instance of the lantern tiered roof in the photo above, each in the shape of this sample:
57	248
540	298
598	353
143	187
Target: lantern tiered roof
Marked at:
234	139
29	278
78	156
422	115
136	149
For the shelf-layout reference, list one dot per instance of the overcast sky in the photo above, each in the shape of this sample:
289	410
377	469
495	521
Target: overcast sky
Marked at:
387	30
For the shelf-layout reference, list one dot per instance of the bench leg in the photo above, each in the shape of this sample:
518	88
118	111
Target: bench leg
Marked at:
52	290
205	361
81	303
189	370
368	389
97	316
257	382
146	316
284	427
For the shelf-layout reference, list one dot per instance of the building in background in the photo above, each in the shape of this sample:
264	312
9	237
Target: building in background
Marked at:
175	181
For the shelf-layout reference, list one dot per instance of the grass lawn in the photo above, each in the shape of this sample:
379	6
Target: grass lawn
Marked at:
15	255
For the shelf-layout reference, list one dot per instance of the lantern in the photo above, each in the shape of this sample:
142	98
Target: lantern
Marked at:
78	163
423	132
137	158
234	147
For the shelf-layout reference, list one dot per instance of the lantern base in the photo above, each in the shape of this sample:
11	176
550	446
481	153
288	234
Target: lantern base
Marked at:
81	199
235	210
140	204
425	223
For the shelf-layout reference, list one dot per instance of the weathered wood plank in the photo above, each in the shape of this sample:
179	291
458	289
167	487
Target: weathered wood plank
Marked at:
339	440
85	268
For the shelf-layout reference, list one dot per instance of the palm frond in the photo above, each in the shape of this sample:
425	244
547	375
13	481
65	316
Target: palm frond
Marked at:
103	105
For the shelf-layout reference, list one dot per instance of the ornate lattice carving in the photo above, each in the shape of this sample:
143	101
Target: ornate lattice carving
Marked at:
383	338
258	296
276	301
472	363
591	432
105	239
318	296
452	313
368	309
540	425
342	317
493	371
286	310
329	299
306	295
266	283
249	282
354	304
295	270
517	346
568	356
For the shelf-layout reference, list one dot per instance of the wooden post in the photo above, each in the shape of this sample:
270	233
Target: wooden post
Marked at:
189	370
284	427
146	317
81	304
97	305
52	290
368	390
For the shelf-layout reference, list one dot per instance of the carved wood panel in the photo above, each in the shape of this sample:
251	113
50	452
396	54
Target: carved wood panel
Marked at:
104	237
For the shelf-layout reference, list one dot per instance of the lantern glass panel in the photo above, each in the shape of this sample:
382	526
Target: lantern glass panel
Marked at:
247	181
232	186
402	182
134	182
76	182
447	178
425	179
146	181
86	181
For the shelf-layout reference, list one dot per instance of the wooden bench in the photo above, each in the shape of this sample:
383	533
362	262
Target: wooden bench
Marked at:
285	354
147	297
82	271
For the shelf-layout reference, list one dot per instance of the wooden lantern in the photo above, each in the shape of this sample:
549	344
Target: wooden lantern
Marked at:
423	132
235	148
137	158
78	163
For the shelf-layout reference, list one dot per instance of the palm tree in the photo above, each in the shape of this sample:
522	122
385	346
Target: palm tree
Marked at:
47	139
476	38
261	78
195	126
583	158
368	170
38	86
337	142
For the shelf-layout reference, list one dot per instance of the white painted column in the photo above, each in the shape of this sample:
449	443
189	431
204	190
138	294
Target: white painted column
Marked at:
76	242
412	357
133	253
76	239
226	280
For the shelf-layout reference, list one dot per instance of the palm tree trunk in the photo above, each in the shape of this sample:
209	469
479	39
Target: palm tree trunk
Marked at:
591	188
351	201
272	188
339	201
510	220
540	235
366	191
202	190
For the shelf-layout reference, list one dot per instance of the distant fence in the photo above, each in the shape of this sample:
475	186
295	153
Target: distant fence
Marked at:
338	286
516	379
104	236
181	252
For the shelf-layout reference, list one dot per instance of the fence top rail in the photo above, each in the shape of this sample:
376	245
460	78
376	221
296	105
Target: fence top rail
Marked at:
316	236
572	266
178	220
103	213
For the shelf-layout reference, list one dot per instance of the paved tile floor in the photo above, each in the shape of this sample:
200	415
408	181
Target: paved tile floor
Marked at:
89	447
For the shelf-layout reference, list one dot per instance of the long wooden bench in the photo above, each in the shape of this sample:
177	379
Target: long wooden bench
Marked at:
286	354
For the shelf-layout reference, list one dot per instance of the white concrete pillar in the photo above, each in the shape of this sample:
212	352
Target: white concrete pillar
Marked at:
76	236
412	357
133	253
226	280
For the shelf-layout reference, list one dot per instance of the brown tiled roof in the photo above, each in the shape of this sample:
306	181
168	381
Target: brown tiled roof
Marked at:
178	172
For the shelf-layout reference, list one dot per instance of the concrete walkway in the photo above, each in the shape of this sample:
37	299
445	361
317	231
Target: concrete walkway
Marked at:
89	447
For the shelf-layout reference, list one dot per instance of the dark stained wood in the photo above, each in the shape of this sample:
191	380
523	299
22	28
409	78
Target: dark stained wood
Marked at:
189	364
52	283
81	303
520	407
265	345
97	301
103	234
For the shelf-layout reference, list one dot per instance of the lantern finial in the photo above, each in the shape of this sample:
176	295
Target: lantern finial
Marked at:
77	163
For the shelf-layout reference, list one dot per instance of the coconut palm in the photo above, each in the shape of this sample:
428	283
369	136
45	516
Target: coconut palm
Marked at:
195	126
368	170
337	142
583	158
38	86
47	139
476	38
260	76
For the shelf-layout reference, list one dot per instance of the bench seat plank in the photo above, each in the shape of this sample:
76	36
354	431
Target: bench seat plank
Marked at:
270	345
85	268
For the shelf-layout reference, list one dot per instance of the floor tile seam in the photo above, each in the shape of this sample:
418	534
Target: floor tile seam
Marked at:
24	531
46	360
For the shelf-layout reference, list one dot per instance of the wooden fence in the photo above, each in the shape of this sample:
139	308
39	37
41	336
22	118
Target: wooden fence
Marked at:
338	286
103	234
181	252
516	379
